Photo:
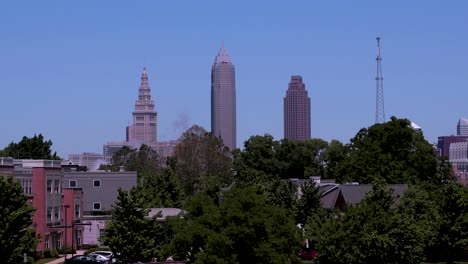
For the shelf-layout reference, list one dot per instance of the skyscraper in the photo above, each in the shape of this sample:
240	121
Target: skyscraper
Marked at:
462	127
223	99
144	127
296	111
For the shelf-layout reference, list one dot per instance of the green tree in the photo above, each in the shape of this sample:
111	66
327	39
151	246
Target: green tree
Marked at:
131	232
334	156
16	235
301	159
452	227
201	160
309	202
159	189
30	148
392	152
374	231
242	228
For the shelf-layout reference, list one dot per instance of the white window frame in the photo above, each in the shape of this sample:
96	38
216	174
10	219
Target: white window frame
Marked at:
94	181
94	207
70	185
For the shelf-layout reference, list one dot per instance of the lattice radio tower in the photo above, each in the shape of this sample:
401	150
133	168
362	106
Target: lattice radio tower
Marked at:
379	99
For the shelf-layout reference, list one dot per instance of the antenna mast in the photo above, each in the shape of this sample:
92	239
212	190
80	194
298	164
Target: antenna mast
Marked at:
379	100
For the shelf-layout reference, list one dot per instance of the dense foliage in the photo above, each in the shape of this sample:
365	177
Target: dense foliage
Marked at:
131	232
30	148
243	207
241	228
16	235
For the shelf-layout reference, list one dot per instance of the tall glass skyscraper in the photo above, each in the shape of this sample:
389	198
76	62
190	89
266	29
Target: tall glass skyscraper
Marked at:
144	127
296	111
223	99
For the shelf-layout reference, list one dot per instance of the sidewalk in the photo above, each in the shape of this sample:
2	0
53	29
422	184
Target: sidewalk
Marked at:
62	259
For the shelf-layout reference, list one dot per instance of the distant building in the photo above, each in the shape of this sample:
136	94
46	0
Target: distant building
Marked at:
458	155
91	161
462	127
415	127
144	127
443	144
223	99
297	111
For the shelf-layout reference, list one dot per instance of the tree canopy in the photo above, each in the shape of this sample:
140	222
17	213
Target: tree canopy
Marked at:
392	152
30	148
16	235
242	228
201	161
131	232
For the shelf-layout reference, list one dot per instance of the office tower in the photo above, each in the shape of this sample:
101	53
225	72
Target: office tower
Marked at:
223	99
296	111
462	127
144	127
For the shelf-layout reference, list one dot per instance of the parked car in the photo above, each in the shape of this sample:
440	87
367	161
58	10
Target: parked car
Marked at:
80	259
99	258
107	254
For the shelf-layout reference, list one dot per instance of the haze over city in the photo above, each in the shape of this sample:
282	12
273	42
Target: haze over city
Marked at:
71	71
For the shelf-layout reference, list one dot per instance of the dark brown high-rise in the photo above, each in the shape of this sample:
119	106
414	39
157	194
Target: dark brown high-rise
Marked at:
296	111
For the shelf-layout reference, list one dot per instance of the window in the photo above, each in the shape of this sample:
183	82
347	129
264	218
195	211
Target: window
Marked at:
49	214
97	183
140	118
57	213
57	186
49	186
96	206
77	211
101	235
46	240
72	183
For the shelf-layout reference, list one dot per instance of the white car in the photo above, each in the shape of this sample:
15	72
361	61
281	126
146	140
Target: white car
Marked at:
100	258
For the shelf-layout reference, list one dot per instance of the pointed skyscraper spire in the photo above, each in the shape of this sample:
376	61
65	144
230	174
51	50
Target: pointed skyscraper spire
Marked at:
223	56
144	76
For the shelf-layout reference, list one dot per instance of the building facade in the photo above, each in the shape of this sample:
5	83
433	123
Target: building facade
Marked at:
296	111
53	217
462	127
458	155
100	191
223	99
443	144
144	127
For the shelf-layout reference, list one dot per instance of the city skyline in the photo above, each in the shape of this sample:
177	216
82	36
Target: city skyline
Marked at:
68	73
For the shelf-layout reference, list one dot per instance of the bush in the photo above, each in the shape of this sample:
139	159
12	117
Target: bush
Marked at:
67	250
31	260
46	253
91	250
50	253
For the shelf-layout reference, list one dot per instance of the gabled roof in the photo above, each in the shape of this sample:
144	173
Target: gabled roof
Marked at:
352	194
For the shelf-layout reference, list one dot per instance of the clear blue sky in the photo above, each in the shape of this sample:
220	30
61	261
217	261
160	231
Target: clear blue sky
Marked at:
71	70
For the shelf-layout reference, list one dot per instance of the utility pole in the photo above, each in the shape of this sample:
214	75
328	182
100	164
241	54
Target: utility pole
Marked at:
379	99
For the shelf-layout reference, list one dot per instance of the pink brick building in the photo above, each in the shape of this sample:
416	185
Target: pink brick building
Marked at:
296	111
